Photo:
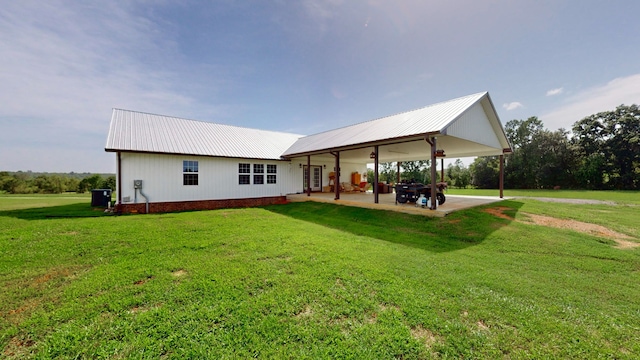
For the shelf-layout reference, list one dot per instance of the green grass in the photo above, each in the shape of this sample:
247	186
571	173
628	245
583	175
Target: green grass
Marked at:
618	196
311	280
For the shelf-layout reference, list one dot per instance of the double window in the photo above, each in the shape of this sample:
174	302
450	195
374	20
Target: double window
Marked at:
244	174
189	172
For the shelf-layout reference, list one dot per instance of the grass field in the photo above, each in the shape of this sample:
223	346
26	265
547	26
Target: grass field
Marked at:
312	280
618	196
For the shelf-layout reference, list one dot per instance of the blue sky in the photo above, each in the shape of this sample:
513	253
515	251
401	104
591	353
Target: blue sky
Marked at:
297	66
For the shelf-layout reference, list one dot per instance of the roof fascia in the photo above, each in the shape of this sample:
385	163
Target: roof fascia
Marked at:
499	123
186	154
398	140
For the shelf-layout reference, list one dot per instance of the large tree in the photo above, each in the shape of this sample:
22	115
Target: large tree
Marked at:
541	158
485	172
609	145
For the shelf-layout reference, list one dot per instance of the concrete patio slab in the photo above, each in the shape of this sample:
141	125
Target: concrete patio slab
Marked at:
388	202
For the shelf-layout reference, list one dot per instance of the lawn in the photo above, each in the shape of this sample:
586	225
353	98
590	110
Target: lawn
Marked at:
312	280
617	196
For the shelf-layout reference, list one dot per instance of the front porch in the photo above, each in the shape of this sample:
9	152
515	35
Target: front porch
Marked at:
388	202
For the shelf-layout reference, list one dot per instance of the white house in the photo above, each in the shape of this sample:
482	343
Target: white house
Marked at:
166	163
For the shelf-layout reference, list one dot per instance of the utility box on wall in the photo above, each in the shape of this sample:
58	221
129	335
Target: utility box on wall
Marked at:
137	184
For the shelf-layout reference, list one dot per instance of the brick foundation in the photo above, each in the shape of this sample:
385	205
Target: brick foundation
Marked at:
164	207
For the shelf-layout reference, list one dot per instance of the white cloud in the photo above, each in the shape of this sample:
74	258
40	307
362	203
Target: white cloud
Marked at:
512	105
64	68
553	92
624	90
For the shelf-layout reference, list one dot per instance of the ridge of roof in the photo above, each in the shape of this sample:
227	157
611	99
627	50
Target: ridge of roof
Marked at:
205	122
136	131
401	112
427	119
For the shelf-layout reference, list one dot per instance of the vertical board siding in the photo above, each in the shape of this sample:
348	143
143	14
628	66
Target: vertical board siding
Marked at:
474	125
217	178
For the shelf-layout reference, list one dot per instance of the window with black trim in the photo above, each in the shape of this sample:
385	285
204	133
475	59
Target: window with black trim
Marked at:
244	178
258	170
189	172
271	173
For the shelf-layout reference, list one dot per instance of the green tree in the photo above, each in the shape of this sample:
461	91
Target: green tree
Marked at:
522	165
609	147
485	172
388	172
89	183
109	183
416	171
459	176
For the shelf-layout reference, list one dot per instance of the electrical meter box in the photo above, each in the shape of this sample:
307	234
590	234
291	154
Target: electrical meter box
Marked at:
137	184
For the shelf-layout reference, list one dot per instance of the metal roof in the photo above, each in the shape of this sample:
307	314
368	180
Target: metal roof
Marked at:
143	132
432	119
466	126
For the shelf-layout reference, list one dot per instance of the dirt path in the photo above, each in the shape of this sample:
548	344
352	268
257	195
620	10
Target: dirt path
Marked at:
568	201
623	241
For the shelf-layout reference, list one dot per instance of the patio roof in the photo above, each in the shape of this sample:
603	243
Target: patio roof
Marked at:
467	126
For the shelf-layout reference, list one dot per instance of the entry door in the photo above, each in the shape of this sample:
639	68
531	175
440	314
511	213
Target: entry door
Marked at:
316	178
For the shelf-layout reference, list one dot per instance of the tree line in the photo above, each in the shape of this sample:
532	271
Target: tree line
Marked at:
42	183
602	151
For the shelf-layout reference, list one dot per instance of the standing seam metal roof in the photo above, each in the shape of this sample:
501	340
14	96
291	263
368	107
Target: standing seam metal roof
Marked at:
430	119
143	132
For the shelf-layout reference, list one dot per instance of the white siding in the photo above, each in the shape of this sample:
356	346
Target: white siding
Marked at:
217	178
327	167
474	125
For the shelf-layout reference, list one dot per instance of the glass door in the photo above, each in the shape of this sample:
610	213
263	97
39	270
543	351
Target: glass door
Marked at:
316	178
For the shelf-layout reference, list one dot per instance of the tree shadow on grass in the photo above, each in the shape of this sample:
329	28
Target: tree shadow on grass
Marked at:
78	210
459	230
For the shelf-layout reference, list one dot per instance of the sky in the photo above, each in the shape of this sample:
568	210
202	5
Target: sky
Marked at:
302	66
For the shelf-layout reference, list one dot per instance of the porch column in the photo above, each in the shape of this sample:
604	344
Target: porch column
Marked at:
336	169
308	173
501	176
441	170
434	170
375	171
119	183
398	172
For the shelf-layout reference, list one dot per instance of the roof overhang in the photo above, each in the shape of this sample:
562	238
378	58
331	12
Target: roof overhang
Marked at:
470	129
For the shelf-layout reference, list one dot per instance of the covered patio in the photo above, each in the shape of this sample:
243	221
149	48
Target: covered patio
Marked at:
463	127
388	202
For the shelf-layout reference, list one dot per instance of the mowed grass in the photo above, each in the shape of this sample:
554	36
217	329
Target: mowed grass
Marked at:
312	280
617	196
